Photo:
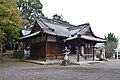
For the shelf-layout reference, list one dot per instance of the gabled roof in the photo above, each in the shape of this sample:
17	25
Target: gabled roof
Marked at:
54	28
63	29
80	29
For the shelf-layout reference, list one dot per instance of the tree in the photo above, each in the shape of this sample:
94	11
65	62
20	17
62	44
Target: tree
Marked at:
57	17
10	20
30	9
111	44
111	38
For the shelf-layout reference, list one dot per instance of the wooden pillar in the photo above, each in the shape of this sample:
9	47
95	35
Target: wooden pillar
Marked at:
78	55
87	51
46	49
93	53
23	49
78	48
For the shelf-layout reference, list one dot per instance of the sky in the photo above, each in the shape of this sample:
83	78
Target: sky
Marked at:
103	15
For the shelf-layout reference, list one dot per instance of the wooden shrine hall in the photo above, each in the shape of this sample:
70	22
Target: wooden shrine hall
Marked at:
48	38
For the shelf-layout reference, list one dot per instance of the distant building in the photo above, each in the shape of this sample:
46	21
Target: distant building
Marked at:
49	37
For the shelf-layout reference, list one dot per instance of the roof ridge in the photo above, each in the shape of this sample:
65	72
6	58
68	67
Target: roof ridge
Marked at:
78	26
82	28
57	22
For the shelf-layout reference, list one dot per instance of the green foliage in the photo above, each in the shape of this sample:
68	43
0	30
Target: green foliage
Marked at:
57	17
18	55
111	44
12	32
9	14
10	20
30	9
111	38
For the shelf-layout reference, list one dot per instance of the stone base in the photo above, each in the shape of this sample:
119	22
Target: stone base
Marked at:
102	59
65	62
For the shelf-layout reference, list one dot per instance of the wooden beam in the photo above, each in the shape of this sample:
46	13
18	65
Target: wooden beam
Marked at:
93	53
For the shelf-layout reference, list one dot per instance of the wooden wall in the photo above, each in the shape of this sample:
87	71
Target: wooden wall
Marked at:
38	50
53	51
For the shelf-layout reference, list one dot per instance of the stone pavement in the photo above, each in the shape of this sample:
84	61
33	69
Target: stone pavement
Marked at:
72	58
19	70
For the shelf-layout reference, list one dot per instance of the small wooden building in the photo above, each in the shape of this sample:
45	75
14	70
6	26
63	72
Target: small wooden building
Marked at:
46	39
49	37
83	40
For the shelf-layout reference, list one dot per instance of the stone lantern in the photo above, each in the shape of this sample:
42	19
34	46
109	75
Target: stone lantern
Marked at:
66	60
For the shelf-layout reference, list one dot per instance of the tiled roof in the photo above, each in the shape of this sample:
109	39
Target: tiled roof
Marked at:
54	28
80	29
86	37
91	38
63	29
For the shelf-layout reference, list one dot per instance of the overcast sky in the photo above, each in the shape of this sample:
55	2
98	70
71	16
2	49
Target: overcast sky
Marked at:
103	15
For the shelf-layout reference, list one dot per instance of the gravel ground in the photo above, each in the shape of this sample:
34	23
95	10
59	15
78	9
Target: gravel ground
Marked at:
17	70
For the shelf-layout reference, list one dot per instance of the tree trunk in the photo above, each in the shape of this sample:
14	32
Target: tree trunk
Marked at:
0	51
10	45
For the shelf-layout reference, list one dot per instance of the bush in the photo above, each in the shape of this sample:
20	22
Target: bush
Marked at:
18	54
